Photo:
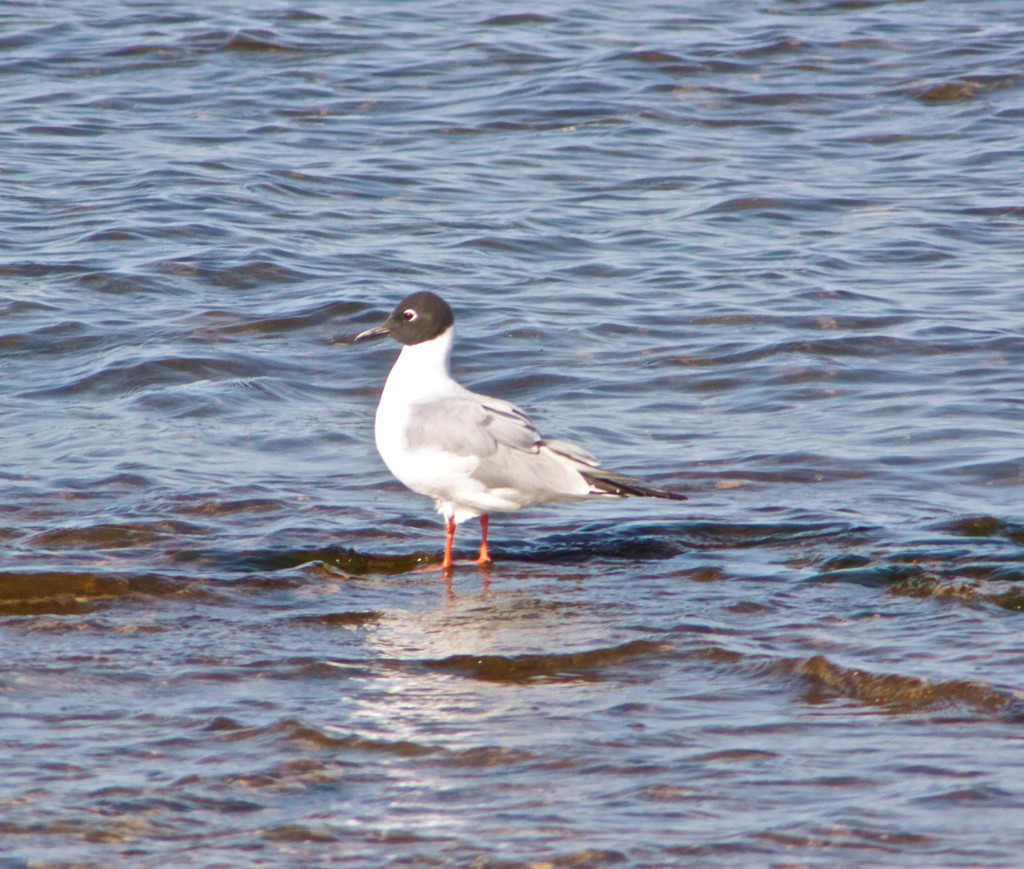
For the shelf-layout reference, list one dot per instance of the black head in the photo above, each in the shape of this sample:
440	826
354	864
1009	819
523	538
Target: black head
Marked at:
417	318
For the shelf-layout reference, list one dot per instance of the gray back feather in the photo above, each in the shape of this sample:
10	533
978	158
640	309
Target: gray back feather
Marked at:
464	426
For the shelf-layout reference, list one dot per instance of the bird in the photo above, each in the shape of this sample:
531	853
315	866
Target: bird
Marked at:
474	455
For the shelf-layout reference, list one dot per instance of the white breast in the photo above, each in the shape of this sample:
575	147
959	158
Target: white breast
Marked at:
420	374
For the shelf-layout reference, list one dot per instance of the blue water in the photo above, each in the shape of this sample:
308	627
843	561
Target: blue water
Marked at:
768	255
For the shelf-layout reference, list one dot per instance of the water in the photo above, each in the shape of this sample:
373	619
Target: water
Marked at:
767	254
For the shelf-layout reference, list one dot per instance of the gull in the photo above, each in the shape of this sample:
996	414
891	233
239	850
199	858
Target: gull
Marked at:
474	455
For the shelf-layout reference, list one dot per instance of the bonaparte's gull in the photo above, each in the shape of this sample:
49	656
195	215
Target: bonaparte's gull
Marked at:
473	454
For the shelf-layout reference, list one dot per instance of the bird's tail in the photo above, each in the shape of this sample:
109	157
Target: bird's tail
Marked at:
603	482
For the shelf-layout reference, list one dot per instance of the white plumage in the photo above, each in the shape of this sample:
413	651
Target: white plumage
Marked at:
472	454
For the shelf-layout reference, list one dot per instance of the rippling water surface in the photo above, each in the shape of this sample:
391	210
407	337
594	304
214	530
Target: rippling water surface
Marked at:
768	254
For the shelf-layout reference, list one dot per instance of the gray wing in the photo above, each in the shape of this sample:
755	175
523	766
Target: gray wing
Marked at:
471	425
512	453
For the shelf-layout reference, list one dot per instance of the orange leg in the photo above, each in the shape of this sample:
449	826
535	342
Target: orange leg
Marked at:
485	554
449	539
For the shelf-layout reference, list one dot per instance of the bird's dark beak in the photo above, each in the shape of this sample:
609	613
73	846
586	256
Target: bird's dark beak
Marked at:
372	333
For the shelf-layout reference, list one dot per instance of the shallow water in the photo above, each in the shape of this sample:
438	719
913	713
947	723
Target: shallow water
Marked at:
768	255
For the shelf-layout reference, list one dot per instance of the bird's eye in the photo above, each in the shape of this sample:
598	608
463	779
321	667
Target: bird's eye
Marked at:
408	315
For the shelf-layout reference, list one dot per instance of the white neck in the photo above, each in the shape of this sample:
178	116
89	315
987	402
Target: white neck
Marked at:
422	369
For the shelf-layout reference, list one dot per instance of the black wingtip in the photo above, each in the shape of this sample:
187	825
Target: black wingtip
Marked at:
610	483
668	496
